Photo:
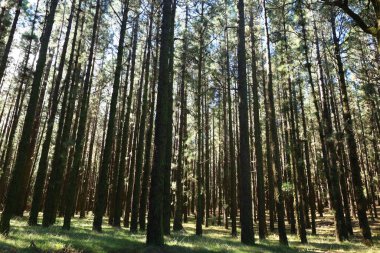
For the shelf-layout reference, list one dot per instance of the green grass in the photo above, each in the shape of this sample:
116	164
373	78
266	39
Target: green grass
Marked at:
215	239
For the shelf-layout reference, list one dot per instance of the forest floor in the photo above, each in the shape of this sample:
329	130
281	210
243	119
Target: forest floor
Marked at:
81	238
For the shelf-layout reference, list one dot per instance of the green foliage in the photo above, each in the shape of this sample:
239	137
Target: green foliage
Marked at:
288	187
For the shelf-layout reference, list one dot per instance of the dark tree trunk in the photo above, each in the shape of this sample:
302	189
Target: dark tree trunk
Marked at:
155	222
24	184
295	146
168	162
140	145
361	202
246	219
311	193
9	150
177	224
148	143
274	144
84	193
199	178
226	171
43	162
269	161
100	202
80	136
231	152
124	143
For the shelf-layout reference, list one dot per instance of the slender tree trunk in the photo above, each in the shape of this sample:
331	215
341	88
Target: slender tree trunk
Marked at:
258	140
167	178
140	145
43	162
269	161
100	203
296	150
274	143
133	158
231	164
330	94
311	194
177	225
87	174
148	146
246	219
361	201
24	184
226	170
7	49
124	143
9	150
199	178
80	136
155	222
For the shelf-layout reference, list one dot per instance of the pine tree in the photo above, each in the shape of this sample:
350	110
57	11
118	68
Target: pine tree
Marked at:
246	219
155	222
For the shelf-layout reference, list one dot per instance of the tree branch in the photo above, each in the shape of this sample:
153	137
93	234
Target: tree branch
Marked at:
343	5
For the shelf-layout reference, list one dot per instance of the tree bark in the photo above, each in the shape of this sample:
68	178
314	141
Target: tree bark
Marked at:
361	201
274	144
258	140
177	224
246	219
155	222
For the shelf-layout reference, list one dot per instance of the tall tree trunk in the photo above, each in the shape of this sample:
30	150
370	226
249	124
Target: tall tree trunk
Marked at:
100	202
102	184
269	158
9	131
361	201
155	222
167	178
43	162
24	184
88	170
199	178
274	143
80	136
258	140
63	140
231	152
311	193
226	171
9	150
295	146
148	143
177	224
343	176
140	145
246	219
